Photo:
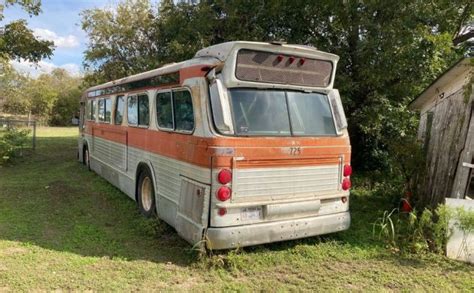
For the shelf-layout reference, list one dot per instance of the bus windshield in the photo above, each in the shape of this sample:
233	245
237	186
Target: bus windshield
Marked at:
281	113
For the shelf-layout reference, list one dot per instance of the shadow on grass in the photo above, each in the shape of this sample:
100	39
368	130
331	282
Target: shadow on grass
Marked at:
51	200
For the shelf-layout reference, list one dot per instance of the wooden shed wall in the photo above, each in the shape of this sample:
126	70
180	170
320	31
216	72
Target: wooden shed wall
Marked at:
445	143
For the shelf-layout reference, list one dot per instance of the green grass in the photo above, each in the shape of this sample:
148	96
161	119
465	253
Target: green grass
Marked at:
62	227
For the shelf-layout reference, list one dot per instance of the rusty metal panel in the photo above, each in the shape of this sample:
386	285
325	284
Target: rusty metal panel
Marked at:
246	235
193	210
191	203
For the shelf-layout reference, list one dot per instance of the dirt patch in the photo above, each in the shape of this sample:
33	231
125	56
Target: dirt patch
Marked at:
61	193
59	189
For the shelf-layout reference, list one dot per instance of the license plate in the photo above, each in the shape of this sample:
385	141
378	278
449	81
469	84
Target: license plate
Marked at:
251	214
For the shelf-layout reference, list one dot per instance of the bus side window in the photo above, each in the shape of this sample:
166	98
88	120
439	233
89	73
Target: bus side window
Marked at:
88	110
183	111
119	109
132	113
164	110
92	110
108	110
101	110
143	110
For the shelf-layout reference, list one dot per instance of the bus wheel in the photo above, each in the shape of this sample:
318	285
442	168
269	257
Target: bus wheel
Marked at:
146	194
86	160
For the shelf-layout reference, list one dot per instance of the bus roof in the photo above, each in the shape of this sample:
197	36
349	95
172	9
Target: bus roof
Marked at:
214	55
223	50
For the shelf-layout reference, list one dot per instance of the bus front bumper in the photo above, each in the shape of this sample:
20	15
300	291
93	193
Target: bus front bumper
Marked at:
253	234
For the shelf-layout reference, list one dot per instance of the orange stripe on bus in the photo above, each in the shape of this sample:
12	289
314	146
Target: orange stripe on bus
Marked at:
200	150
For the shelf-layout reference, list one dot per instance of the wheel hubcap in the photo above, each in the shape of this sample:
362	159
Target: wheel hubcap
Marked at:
146	194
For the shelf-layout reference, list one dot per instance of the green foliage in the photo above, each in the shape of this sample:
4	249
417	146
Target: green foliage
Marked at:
123	40
406	165
422	232
52	98
17	40
33	7
389	50
11	143
465	220
385	227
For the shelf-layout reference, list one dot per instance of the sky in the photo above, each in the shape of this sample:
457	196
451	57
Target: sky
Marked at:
59	22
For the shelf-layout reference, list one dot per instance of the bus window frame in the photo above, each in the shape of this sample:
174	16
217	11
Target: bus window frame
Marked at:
172	110
105	110
137	94
92	118
115	106
171	90
317	91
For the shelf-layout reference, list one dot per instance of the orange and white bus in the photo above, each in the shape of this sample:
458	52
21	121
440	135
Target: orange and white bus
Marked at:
246	143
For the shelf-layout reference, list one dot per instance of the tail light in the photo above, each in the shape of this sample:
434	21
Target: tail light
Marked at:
224	176
279	58
222	212
291	59
302	61
346	184
347	170
223	193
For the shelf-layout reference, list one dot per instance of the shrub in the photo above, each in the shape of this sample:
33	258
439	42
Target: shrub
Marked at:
12	142
416	232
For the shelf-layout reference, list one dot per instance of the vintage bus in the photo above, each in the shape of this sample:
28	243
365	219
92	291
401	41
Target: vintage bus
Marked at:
244	144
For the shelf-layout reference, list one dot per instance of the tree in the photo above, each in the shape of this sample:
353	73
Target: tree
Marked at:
122	40
11	84
17	40
390	50
52	98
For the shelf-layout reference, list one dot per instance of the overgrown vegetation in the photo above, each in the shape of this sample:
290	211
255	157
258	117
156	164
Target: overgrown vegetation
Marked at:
12	142
422	232
65	228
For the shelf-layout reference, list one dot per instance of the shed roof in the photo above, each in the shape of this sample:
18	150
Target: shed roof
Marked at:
455	70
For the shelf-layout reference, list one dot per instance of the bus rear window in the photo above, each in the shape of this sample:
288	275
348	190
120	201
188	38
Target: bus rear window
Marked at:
281	113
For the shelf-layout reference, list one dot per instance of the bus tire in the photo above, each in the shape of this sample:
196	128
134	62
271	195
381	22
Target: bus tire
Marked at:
146	194
86	160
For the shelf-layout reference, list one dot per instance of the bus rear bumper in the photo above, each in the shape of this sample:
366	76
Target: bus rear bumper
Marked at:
247	235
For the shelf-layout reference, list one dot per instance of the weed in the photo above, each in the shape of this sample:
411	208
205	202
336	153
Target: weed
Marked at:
385	227
422	232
